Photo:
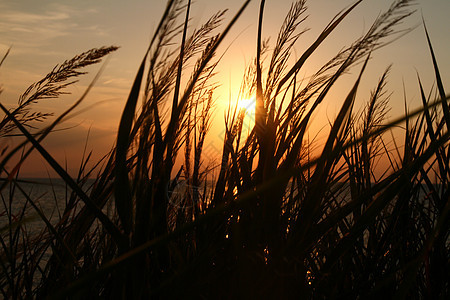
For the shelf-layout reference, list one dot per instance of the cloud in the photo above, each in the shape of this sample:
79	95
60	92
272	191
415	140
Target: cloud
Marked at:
35	27
32	18
28	30
41	35
121	83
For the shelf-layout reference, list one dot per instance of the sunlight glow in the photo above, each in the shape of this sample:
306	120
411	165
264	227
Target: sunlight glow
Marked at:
247	105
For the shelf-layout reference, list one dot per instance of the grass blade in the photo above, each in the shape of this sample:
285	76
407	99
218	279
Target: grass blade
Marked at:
122	190
440	86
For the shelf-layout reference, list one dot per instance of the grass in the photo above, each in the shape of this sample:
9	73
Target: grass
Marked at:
269	221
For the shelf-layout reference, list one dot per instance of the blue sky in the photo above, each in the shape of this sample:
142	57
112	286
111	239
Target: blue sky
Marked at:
42	34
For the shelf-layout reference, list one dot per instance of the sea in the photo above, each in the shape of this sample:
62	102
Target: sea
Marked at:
49	196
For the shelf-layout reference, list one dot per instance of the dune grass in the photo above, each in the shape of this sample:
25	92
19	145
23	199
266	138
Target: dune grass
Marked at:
269	220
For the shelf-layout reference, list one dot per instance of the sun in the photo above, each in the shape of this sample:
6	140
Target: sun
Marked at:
247	105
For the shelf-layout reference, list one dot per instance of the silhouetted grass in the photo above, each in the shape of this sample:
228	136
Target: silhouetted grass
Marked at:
269	220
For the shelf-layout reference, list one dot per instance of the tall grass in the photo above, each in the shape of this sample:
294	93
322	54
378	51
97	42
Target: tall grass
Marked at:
269	220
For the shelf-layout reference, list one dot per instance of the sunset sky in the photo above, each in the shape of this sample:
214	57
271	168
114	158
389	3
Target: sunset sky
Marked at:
44	33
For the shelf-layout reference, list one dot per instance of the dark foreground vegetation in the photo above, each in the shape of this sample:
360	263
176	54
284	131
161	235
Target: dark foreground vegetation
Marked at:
270	220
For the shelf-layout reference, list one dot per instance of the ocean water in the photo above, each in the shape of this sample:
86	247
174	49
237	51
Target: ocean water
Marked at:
49	196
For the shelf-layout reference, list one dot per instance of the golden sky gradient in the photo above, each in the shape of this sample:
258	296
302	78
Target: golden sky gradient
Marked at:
42	34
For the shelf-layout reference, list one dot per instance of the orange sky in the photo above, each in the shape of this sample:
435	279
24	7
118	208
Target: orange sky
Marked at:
45	33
